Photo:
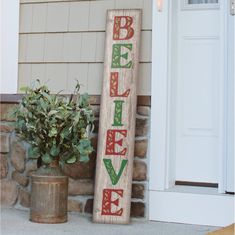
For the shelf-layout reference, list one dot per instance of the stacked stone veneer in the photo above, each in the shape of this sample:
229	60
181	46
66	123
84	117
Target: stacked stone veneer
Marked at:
16	168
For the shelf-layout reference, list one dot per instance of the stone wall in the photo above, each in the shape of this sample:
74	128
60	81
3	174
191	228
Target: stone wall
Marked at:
16	168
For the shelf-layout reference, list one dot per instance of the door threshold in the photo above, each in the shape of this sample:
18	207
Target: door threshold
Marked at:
198	184
191	205
194	190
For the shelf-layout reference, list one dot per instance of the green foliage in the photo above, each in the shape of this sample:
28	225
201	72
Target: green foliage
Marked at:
54	125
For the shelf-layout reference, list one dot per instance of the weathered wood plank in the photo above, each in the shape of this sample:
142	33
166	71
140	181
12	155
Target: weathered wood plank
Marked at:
117	118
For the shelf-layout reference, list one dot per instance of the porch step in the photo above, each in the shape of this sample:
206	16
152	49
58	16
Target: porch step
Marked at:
224	231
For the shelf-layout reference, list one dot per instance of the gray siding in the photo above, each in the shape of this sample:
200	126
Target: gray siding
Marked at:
61	41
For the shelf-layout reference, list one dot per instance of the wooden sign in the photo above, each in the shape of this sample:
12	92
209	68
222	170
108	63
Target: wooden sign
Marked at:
117	118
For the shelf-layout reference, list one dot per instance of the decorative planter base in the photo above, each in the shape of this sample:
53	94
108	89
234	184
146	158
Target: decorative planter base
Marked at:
49	196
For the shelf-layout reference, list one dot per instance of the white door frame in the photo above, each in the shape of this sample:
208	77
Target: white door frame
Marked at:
9	41
230	107
168	203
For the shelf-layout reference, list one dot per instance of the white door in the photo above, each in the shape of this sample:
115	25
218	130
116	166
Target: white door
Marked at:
198	96
189	116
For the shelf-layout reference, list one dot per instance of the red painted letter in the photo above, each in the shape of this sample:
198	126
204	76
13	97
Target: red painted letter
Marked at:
114	86
111	142
107	202
119	26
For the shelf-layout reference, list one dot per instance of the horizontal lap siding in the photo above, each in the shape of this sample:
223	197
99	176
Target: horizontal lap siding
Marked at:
61	41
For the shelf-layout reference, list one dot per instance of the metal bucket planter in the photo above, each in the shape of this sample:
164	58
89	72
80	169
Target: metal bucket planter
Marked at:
49	195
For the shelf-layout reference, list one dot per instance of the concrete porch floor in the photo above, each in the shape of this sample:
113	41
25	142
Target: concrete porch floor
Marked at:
16	222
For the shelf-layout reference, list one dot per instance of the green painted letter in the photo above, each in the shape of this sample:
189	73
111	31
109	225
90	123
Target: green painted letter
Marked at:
112	174
119	55
118	113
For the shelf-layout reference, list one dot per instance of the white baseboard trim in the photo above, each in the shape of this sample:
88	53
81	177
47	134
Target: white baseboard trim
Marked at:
191	208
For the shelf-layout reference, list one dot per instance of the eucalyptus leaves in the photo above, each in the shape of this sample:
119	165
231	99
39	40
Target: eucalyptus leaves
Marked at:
54	125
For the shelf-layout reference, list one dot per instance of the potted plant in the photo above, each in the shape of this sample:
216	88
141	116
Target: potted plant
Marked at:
57	129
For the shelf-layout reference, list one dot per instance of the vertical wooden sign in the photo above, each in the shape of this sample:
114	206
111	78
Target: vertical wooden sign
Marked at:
117	118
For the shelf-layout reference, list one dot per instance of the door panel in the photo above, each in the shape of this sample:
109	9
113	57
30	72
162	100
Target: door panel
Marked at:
198	138
198	87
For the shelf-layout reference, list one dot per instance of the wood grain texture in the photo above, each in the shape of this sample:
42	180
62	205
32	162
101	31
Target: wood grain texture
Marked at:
119	200
229	230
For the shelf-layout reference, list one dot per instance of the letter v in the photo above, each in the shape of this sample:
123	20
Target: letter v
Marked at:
112	174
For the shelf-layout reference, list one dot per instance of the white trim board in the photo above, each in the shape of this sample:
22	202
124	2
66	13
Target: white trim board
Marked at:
178	207
159	101
9	30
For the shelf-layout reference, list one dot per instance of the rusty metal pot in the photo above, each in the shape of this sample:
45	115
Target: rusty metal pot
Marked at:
49	195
